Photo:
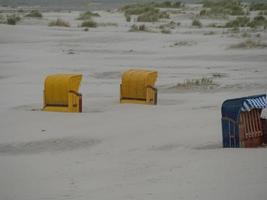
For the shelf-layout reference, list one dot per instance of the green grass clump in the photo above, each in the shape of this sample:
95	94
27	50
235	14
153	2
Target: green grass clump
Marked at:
249	44
170	25
89	23
197	83
264	12
138	9
183	44
258	6
12	19
258	21
166	31
2	19
223	7
196	23
59	22
169	4
138	28
35	13
128	18
238	22
152	16
107	24
145	12
87	15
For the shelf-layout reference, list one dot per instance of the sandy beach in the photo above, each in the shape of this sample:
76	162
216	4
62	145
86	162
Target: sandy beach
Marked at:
126	152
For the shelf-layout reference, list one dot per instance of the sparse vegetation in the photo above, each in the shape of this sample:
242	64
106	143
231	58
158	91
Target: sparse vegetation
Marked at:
138	28
196	23
128	18
222	7
258	6
218	75
238	22
152	16
249	44
89	23
59	22
258	21
183	43
35	13
12	19
209	33
144	12
263	12
87	15
107	24
2	19
206	83
165	31
170	25
246	35
215	25
169	4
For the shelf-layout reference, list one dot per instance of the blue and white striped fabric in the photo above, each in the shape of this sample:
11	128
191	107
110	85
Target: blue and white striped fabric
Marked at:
255	103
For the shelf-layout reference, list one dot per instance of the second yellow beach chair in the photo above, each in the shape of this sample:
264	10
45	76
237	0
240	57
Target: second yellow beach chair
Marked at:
137	86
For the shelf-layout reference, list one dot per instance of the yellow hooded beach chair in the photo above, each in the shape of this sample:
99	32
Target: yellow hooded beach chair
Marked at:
61	93
137	86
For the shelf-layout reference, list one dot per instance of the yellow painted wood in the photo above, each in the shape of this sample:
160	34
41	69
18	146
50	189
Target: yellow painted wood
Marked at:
61	93
138	86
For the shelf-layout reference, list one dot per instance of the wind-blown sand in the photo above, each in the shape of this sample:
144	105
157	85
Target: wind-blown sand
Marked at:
112	151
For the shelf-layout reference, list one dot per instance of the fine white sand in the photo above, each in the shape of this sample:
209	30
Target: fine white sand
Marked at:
125	152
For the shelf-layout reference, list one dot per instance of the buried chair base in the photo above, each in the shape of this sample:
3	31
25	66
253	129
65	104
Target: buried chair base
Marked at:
135	101
74	104
56	109
151	98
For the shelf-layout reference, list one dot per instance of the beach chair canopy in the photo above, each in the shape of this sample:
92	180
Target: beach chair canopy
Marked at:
231	108
135	83
58	86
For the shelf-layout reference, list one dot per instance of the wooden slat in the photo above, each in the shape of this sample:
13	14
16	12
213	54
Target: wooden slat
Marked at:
241	131
247	125
255	116
253	123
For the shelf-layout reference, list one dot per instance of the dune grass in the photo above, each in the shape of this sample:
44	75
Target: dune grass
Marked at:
258	6
139	28
144	12
258	21
264	12
249	44
169	4
238	22
104	24
12	19
183	44
196	23
170	25
223	7
87	15
204	83
59	22
89	23
34	14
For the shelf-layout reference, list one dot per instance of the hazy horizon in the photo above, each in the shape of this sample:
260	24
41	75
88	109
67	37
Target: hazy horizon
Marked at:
80	4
